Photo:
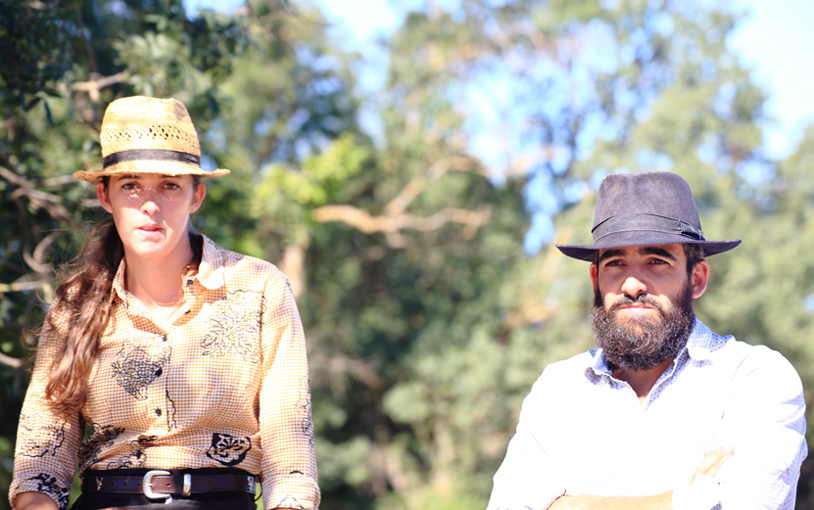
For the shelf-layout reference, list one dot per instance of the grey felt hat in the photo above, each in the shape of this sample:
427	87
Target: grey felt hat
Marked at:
649	208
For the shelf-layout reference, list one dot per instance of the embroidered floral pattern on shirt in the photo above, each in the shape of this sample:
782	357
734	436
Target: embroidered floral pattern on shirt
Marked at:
228	450
171	411
289	501
138	364
43	438
304	404
137	455
234	327
49	485
90	449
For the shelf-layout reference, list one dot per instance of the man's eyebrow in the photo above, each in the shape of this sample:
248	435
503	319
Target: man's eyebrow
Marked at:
615	252
661	252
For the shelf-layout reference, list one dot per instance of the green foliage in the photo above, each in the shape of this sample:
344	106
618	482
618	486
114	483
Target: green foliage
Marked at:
427	320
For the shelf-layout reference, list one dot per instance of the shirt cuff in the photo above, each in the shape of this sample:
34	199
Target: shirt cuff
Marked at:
291	491
702	494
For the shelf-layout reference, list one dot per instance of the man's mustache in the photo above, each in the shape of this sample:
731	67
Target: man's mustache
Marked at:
642	299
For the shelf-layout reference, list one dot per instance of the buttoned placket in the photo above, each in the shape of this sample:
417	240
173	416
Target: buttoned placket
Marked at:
163	414
157	391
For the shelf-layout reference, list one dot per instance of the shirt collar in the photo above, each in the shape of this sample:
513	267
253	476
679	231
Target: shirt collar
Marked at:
700	346
118	281
210	270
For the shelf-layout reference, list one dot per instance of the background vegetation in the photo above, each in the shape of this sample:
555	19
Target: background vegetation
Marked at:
427	317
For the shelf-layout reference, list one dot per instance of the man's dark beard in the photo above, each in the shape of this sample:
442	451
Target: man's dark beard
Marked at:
642	343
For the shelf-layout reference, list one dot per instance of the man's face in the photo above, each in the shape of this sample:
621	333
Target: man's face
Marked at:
643	308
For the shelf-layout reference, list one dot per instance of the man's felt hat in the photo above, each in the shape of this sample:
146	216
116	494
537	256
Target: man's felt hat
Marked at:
148	135
649	208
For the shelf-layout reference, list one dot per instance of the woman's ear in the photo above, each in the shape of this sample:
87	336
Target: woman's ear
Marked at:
103	198
197	198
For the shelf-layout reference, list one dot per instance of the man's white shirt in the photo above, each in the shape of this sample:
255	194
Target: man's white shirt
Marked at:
583	432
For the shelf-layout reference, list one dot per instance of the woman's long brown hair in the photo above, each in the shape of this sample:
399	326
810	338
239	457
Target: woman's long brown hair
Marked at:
82	310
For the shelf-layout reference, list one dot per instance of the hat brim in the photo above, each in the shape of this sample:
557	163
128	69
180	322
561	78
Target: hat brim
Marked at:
149	167
639	238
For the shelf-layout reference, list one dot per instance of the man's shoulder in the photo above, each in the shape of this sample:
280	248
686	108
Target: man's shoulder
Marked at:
743	358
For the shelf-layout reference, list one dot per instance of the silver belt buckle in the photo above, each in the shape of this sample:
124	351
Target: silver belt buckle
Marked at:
147	484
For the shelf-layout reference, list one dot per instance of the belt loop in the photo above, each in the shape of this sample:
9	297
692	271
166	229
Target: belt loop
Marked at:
187	487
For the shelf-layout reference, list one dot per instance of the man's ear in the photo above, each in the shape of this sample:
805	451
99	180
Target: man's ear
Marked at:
698	278
103	198
594	274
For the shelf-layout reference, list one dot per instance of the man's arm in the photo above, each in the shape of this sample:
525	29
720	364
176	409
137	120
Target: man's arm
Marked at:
664	501
528	478
765	419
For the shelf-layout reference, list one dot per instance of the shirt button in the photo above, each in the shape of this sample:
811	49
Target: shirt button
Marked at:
159	372
158	412
189	282
164	338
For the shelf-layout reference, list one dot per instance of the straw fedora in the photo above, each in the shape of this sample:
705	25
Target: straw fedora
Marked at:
645	209
148	135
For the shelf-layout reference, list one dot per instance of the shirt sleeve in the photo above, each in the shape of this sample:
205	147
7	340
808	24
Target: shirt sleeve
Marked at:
764	419
528	478
289	471
47	446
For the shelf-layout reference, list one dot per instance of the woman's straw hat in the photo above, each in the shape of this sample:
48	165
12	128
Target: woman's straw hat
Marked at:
148	135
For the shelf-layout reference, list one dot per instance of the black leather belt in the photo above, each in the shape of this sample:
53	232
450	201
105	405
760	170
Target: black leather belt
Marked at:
160	484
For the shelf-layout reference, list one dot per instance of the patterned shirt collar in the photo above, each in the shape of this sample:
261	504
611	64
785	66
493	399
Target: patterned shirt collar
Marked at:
700	346
210	271
118	281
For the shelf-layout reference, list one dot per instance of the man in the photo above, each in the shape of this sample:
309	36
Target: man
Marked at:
665	413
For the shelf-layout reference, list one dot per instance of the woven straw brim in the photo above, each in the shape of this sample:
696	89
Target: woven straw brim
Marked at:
148	135
148	167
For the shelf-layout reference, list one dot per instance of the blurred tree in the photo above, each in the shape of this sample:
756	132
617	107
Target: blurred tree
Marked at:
584	88
428	318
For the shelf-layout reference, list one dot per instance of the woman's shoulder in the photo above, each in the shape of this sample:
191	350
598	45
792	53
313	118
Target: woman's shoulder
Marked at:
236	267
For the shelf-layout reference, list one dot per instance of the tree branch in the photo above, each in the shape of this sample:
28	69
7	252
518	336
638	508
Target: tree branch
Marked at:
392	225
93	87
12	362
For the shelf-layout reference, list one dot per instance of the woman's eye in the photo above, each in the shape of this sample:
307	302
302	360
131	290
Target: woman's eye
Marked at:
129	186
172	185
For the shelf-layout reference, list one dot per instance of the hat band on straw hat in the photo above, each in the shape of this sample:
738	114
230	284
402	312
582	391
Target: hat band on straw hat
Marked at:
150	155
646	222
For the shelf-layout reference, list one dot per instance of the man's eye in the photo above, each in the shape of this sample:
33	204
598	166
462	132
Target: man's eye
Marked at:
658	261
129	185
172	185
613	263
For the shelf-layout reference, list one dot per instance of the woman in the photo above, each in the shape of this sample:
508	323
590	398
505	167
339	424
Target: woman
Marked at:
186	362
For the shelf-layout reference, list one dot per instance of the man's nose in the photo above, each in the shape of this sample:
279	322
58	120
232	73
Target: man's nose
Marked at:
633	286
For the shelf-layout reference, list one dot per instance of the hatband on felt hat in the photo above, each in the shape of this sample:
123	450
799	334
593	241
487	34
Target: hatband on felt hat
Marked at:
645	209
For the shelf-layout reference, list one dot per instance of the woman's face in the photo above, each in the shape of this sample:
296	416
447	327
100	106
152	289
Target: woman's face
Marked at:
151	211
